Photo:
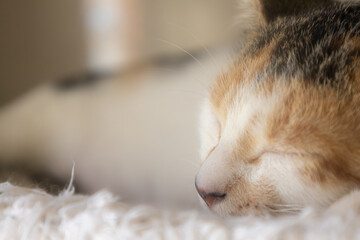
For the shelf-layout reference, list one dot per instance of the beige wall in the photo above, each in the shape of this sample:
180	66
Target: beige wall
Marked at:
191	24
146	29
39	40
44	40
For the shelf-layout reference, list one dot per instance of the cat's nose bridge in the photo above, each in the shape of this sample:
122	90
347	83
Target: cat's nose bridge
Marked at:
216	172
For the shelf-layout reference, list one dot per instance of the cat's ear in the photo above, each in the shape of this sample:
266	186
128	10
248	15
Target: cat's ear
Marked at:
262	12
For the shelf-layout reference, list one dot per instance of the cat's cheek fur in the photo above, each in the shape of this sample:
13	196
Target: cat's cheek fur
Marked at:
293	187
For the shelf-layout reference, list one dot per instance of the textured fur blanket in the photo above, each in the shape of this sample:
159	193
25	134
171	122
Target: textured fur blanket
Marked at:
33	214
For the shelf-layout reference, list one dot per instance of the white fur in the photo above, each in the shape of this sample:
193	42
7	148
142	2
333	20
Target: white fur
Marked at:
32	214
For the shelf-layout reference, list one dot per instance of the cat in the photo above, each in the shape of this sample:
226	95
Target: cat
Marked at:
280	129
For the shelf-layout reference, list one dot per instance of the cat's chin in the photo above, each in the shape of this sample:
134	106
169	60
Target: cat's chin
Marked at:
254	212
225	209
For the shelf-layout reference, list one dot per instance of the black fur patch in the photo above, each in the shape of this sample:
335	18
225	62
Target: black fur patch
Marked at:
315	45
272	9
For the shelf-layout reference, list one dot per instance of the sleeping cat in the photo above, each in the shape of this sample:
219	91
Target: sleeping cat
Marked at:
281	128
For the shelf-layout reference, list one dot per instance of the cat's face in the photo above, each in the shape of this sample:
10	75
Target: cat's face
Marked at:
273	149
279	132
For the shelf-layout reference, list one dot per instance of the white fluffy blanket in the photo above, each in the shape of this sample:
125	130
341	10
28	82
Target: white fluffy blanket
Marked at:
32	214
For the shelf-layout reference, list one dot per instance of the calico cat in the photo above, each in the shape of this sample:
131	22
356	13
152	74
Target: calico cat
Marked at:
280	129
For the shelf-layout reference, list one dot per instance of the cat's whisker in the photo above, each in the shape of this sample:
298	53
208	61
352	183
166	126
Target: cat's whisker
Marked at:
193	163
282	208
283	211
216	63
286	205
202	95
173	71
188	53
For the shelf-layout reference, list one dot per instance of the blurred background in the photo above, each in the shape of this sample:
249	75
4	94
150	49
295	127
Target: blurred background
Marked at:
114	86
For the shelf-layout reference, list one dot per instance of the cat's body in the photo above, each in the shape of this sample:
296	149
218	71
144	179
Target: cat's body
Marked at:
280	129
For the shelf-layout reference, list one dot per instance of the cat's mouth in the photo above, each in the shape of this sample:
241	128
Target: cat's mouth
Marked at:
212	199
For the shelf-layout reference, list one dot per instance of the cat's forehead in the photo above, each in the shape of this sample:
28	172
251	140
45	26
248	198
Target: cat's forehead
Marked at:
239	83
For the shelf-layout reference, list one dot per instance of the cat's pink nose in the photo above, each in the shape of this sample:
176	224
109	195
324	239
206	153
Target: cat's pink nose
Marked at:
210	198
